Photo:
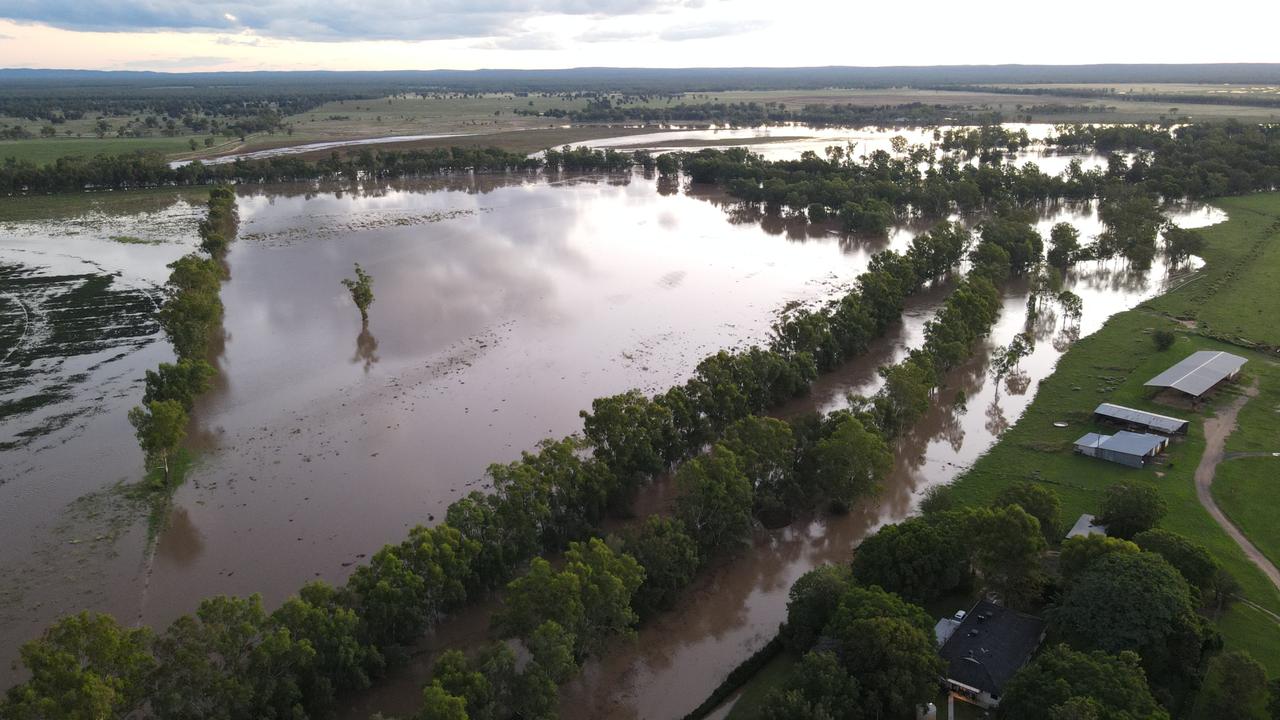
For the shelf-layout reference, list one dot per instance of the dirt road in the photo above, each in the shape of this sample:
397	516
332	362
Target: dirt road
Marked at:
1216	431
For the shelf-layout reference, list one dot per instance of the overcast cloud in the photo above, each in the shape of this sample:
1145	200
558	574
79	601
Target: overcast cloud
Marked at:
462	34
331	20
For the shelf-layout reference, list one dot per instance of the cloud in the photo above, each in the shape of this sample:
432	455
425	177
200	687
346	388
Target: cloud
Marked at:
239	40
707	31
178	63
596	35
333	20
522	41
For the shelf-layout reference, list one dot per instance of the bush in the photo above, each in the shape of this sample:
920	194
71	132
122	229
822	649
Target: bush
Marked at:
1164	339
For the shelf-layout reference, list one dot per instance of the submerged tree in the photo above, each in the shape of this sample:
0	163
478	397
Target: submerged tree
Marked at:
361	289
160	425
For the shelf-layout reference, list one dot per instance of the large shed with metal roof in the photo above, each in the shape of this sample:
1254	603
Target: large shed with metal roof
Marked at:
1126	448
1132	419
1200	372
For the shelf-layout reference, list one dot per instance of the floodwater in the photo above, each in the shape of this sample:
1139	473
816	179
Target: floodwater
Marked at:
788	142
504	305
78	330
680	657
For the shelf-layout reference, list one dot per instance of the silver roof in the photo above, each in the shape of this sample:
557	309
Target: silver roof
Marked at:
1131	443
1086	526
1163	423
1091	440
1200	371
1125	442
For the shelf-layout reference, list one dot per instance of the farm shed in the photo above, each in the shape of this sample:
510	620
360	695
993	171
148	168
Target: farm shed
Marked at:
1140	419
986	649
1200	372
1126	448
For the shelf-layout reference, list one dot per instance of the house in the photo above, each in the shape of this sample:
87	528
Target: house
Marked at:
1126	448
990	645
1086	525
1140	420
1199	372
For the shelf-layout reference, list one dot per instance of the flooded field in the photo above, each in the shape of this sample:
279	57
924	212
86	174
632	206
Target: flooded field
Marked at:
504	305
788	142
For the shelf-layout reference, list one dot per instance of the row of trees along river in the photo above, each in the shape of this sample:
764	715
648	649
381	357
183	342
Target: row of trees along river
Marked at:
329	640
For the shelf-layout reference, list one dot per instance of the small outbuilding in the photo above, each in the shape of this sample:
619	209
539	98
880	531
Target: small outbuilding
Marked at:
1200	372
986	649
1132	419
1086	525
1126	448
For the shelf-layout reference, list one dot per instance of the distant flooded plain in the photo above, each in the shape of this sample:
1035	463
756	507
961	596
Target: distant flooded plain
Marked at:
504	306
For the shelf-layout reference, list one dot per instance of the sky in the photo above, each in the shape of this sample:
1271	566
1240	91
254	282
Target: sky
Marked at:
209	35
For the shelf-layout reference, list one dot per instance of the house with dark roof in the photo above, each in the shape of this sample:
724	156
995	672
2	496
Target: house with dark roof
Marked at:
985	651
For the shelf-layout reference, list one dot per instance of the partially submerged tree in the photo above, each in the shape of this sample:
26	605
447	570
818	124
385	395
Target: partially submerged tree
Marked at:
84	666
160	426
361	289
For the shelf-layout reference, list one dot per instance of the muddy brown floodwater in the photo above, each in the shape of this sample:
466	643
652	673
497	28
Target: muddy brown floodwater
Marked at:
504	306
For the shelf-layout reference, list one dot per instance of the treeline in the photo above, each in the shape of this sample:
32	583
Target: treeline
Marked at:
231	103
870	196
759	466
1129	610
1171	98
191	316
1195	161
328	640
150	169
750	114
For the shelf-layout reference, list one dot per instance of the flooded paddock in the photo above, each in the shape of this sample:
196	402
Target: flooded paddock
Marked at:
504	306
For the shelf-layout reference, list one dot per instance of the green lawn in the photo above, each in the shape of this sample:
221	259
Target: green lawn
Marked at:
1245	489
61	206
771	676
46	151
1236	297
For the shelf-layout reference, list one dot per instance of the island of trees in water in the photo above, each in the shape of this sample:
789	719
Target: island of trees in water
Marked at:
734	466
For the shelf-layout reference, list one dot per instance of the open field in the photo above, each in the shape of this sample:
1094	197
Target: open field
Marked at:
1235	296
1245	489
493	120
43	151
1190	89
63	206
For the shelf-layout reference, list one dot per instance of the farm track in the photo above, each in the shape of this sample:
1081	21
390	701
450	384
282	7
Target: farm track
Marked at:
1216	431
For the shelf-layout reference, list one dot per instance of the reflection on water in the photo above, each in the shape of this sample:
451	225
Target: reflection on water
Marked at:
789	142
505	305
366	348
680	657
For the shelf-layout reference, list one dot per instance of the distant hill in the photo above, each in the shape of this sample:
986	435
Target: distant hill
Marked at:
656	79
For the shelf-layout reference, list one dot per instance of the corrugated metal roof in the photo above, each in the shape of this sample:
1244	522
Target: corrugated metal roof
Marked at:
1131	443
1086	526
1090	440
1163	423
1200	371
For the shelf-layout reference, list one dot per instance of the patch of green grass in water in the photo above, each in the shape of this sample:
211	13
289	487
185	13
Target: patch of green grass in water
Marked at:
131	240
